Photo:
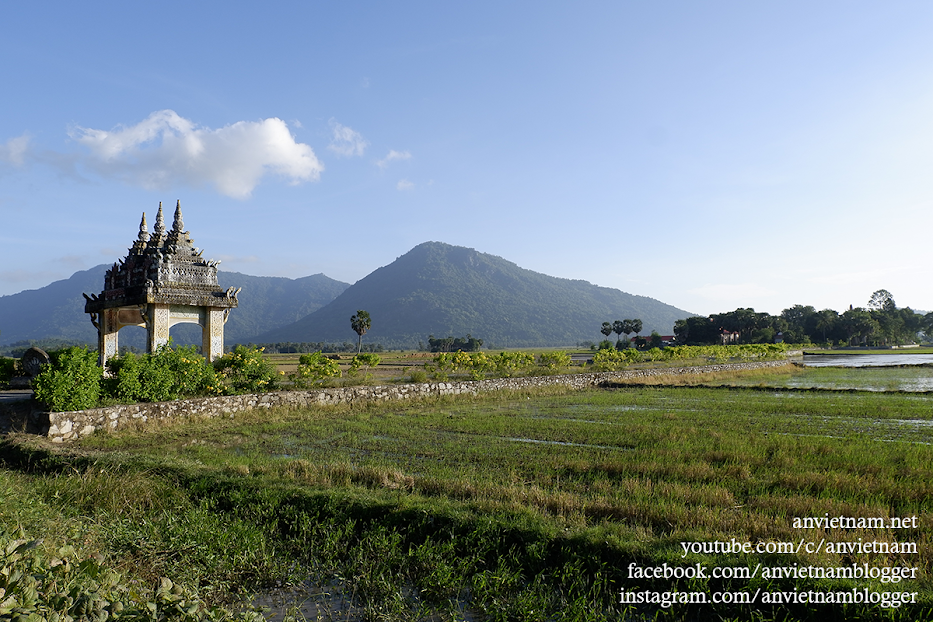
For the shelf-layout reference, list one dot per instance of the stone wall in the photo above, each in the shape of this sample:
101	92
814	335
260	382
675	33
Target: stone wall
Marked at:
23	416
68	426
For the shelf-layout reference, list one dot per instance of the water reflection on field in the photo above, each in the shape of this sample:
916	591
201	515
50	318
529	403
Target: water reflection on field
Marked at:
914	379
866	360
868	372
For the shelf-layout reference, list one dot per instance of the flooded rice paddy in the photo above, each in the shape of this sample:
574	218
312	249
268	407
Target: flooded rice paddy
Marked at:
866	360
587	441
857	372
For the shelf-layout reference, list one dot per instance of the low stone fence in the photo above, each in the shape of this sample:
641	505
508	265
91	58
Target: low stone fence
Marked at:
68	426
23	416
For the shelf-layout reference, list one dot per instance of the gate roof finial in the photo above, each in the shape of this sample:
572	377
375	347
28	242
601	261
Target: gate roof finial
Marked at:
162	267
143	231
179	223
160	222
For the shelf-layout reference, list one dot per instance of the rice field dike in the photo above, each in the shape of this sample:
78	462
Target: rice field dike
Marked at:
785	495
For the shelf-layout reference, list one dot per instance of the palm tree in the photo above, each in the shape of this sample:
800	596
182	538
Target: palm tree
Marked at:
826	321
618	327
606	329
360	323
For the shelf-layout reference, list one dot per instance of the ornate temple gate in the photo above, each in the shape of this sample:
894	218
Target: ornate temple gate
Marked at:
161	282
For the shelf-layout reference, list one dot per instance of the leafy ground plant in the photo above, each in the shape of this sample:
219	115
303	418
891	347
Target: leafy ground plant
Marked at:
63	587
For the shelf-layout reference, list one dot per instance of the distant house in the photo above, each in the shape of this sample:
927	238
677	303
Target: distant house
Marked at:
666	340
727	337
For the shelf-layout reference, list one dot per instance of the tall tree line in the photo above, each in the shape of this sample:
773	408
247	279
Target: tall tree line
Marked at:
880	323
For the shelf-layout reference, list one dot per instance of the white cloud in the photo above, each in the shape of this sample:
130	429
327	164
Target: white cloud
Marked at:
167	149
404	184
345	141
392	156
14	151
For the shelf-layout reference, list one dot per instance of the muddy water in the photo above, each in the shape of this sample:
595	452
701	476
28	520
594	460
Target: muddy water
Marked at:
308	603
332	604
333	598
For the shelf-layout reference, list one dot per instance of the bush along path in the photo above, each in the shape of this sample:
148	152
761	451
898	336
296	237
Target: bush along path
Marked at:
73	381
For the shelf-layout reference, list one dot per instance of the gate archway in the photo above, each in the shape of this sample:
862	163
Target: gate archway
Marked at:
161	282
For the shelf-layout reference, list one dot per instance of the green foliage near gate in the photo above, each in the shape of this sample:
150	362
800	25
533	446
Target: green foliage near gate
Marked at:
71	382
168	374
75	382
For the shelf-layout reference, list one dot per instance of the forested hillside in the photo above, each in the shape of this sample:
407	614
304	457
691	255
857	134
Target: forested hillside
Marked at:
444	290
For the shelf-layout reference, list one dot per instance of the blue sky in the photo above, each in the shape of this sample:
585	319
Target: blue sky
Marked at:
711	155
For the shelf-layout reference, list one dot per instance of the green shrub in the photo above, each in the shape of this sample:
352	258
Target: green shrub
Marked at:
193	374
477	364
71	382
612	360
314	368
167	375
508	363
366	360
605	344
720	353
608	360
655	354
554	360
442	365
124	383
246	371
7	368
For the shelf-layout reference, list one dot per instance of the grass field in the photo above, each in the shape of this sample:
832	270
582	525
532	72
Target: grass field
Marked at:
528	507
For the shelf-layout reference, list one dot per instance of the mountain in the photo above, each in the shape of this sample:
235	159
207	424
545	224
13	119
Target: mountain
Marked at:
446	290
57	310
433	289
274	301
